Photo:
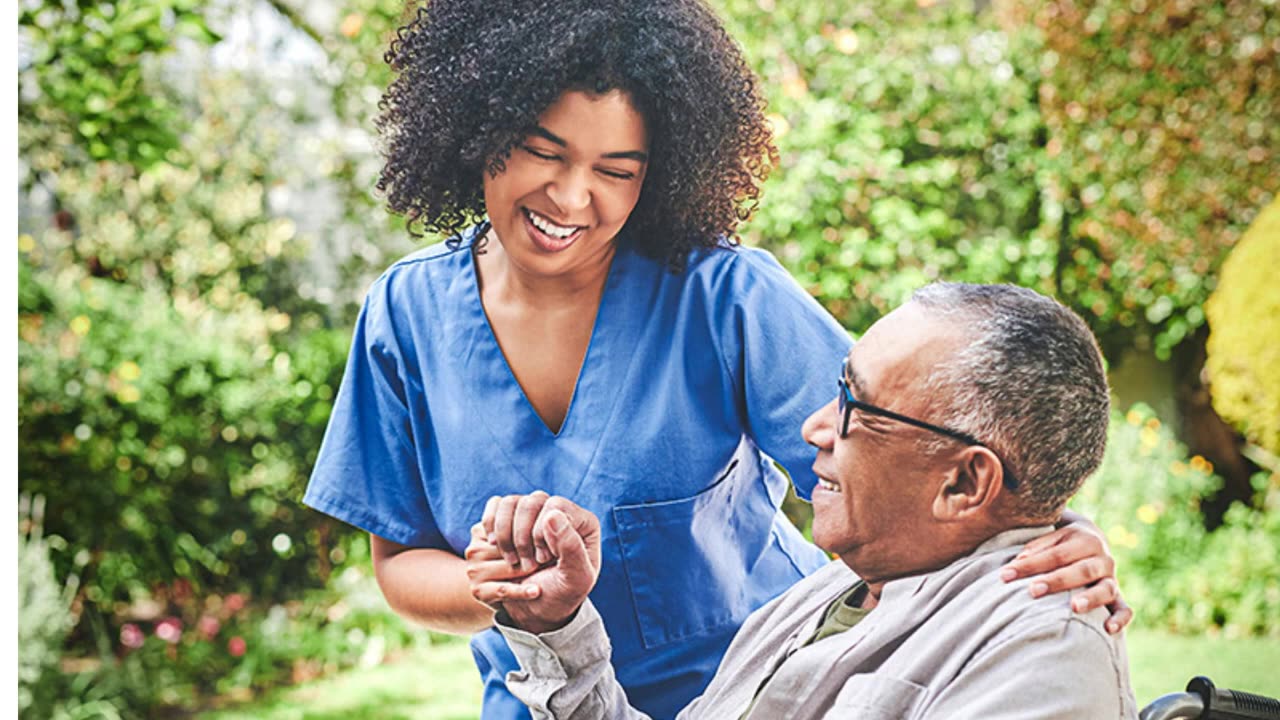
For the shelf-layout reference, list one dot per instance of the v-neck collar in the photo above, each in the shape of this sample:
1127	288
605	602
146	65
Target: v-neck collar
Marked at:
515	417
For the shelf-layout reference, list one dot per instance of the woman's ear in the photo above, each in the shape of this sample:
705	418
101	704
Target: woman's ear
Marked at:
971	486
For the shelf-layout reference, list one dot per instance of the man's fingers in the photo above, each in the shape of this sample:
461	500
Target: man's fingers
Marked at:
522	522
570	550
583	522
503	530
494	593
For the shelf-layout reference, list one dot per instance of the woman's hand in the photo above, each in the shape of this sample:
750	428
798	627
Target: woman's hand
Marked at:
1073	556
543	593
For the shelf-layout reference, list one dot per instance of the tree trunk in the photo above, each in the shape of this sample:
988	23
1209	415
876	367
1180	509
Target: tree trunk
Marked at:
1206	434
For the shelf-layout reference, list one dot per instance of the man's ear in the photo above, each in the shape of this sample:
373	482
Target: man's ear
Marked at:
971	486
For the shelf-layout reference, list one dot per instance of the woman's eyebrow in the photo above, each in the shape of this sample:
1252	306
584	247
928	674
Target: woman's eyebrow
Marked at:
636	155
545	134
548	135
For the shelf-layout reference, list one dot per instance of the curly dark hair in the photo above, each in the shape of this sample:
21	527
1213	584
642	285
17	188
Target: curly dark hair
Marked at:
472	76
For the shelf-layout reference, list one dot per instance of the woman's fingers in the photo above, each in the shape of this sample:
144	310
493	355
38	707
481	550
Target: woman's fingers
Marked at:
1098	595
480	547
496	593
1079	574
1061	549
489	518
1121	615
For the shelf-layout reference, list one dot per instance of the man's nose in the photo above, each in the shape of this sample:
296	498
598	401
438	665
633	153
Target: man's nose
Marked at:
819	429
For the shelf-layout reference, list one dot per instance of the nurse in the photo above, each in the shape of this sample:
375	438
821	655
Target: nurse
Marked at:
588	330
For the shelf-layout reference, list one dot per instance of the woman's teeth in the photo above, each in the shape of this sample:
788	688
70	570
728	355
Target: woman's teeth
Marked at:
828	485
549	227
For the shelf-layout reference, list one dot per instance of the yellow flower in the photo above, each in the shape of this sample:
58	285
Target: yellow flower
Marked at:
1178	468
779	125
1133	418
846	41
129	394
1120	536
1149	440
129	371
26	243
80	325
1199	464
1153	423
1147	515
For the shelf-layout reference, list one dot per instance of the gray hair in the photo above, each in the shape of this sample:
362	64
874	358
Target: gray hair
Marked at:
1029	384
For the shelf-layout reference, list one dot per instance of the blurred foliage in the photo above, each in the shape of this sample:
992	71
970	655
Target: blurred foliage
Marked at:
85	87
1025	144
45	615
910	143
173	386
1146	497
1244	324
1163	143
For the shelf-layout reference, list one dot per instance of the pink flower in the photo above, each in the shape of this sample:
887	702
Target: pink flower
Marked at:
236	646
169	630
234	602
208	627
131	636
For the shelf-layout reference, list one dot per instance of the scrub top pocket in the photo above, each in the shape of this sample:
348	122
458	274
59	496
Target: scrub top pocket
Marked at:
687	560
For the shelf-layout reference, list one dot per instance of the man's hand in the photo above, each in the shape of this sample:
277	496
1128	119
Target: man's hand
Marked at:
536	557
1073	556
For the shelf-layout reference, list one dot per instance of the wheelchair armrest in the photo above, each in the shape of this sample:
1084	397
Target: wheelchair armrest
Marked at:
1203	701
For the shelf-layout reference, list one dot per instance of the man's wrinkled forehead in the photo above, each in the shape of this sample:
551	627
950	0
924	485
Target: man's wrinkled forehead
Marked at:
911	338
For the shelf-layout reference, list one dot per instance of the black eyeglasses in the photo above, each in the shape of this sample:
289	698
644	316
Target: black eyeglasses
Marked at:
848	402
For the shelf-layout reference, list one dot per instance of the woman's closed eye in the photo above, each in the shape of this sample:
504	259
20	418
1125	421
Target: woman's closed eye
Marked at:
540	154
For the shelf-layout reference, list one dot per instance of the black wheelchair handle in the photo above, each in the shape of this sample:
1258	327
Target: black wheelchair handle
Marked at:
1203	701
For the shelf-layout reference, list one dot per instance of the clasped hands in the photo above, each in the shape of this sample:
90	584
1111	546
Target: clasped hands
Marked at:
535	557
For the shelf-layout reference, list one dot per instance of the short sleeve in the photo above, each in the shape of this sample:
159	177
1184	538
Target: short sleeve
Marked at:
783	351
367	472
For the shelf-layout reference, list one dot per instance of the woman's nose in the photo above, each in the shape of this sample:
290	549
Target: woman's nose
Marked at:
570	191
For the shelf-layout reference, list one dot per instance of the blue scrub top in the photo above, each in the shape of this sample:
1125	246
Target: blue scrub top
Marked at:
691	383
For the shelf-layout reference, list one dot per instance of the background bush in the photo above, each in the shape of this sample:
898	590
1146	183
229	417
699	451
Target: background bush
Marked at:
1146	497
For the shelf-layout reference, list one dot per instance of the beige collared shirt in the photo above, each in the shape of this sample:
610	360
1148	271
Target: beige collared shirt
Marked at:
954	643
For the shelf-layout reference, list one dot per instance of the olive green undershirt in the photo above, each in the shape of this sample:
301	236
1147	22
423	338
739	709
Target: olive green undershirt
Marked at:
842	614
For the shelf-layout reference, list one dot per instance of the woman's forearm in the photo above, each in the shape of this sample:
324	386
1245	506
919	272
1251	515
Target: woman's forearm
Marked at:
428	587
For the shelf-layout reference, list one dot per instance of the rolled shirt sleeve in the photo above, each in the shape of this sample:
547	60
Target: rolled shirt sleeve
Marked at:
566	673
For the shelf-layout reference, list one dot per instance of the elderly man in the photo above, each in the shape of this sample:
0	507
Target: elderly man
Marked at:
964	422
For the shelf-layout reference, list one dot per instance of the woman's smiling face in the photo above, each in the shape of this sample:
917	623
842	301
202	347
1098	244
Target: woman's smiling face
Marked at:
570	185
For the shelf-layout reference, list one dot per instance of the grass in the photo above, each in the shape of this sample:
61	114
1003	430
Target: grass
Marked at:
1161	663
440	683
433	683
